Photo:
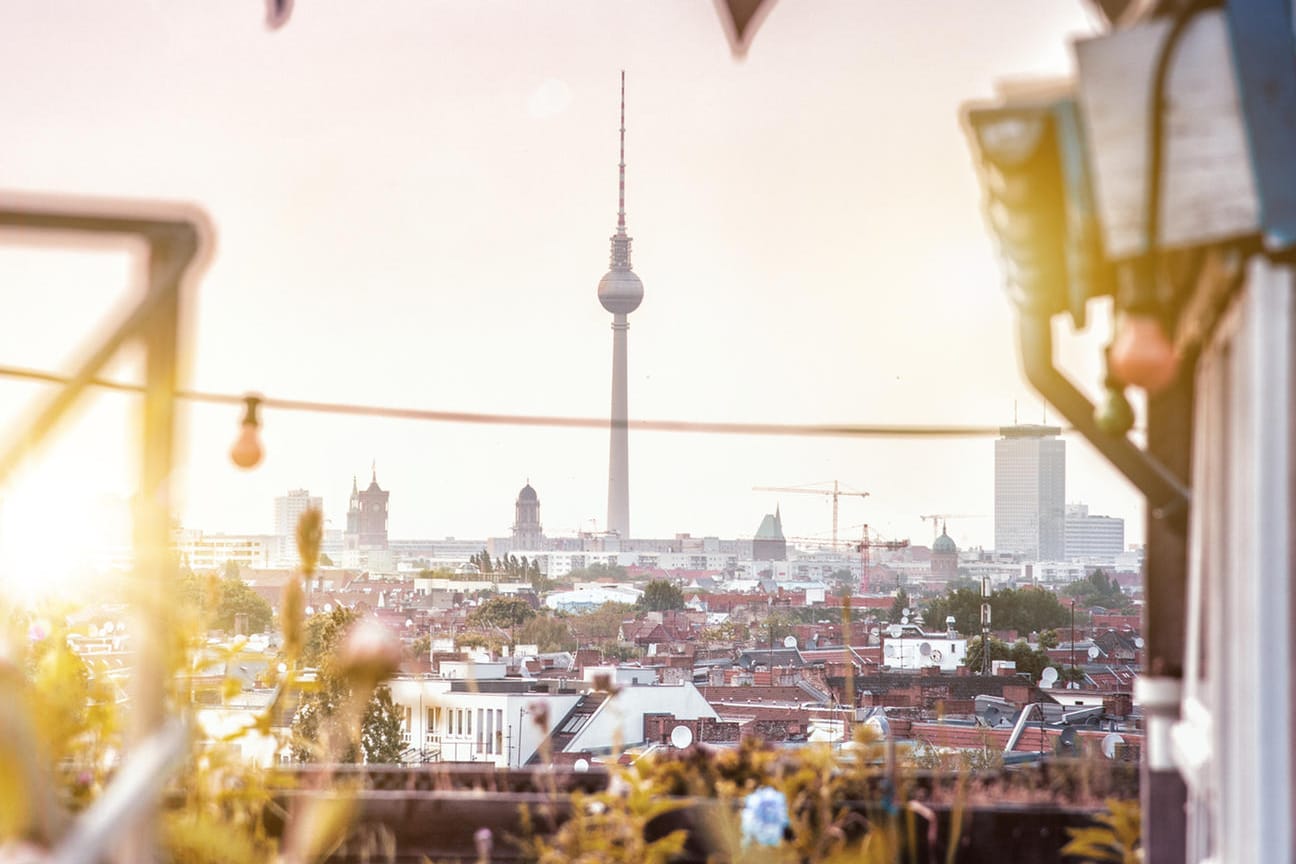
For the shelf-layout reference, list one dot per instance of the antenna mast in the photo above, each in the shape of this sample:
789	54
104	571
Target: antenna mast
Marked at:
621	164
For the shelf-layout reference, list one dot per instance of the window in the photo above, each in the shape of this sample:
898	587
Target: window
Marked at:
574	725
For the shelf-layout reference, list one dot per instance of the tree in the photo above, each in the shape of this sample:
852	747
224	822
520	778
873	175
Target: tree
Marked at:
502	612
599	627
319	713
1025	610
540	583
597	572
548	633
843	583
1098	589
999	650
1048	638
1028	660
236	598
380	733
659	596
899	606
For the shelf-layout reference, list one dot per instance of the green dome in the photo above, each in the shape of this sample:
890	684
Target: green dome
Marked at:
944	545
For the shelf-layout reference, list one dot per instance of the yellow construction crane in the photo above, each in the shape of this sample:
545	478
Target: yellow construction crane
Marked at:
835	492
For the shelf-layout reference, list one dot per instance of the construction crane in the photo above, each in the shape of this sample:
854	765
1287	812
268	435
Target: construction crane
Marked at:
865	547
938	518
835	492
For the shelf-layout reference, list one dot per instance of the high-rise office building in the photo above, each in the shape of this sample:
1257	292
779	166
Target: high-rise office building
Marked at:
1030	492
288	509
1093	539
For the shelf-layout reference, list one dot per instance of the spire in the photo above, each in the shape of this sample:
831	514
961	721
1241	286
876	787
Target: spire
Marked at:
621	164
620	241
355	489
373	466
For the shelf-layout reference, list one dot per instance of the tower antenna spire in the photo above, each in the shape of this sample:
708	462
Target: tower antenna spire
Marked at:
621	165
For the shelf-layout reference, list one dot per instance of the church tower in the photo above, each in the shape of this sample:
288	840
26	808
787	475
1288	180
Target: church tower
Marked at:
367	516
527	533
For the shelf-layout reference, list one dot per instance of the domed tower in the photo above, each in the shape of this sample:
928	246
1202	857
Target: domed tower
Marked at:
944	557
620	291
527	533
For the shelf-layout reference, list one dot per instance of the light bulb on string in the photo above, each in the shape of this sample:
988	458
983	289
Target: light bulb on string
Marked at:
247	450
1141	353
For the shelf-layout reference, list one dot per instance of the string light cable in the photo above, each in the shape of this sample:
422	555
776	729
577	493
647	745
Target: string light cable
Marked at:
804	430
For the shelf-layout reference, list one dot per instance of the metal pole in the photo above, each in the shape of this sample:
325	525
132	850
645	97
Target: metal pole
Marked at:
1165	577
156	576
1073	666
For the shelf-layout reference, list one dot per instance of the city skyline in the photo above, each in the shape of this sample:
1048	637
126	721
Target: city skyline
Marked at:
434	250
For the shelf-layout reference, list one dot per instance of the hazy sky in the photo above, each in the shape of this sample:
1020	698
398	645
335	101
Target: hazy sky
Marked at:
413	202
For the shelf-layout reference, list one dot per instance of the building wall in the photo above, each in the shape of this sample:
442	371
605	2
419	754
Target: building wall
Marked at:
457	727
208	552
1093	538
288	509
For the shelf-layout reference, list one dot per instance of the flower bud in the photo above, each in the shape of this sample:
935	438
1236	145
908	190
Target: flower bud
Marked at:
370	653
292	610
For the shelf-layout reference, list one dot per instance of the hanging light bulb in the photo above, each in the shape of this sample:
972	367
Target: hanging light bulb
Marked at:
247	450
1141	353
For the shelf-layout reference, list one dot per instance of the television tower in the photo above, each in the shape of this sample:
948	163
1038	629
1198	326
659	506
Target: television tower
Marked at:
620	291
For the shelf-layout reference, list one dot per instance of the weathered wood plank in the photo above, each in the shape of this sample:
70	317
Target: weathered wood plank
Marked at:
1208	192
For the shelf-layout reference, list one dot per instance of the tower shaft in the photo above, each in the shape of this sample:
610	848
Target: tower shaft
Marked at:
618	515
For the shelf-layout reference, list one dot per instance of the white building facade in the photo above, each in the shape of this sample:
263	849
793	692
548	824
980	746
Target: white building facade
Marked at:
1091	538
288	509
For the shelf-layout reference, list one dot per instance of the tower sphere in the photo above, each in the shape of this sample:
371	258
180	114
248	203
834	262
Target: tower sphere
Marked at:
620	291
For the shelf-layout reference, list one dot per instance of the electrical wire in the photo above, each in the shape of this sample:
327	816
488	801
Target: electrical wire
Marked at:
804	430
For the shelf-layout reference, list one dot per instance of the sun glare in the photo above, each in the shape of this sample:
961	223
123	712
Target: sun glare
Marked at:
57	541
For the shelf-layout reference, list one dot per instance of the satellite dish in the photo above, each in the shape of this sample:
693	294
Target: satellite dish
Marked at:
949	619
890	651
925	649
1094	652
907	612
1109	744
936	656
681	737
878	725
1048	676
789	642
1067	741
904	619
580	766
1138	641
895	630
991	716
